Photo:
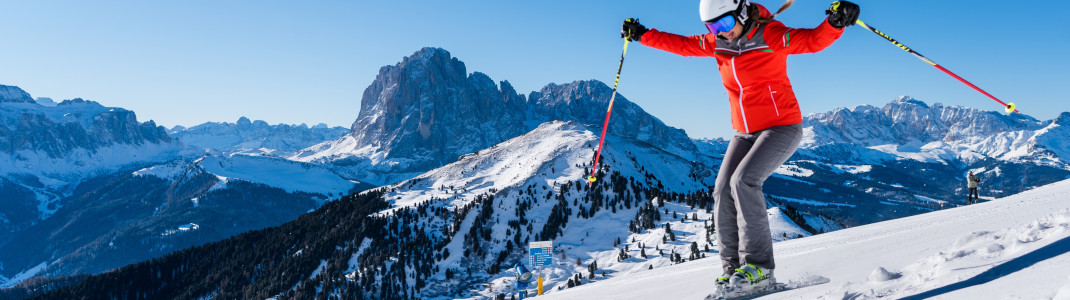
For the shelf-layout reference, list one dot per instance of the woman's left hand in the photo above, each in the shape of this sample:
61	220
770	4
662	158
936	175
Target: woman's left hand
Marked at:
842	14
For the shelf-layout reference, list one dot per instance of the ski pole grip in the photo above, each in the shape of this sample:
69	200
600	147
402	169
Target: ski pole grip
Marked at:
835	6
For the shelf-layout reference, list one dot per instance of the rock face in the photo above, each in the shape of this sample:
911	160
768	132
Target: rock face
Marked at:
13	94
73	124
428	108
586	102
427	111
46	150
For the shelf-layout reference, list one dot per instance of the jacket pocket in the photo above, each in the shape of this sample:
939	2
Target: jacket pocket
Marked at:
772	97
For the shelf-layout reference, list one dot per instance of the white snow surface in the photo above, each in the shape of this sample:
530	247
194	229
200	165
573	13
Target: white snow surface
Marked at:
547	156
545	159
276	172
1017	247
25	274
164	171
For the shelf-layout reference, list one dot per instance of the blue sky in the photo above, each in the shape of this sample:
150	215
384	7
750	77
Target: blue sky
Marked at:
189	62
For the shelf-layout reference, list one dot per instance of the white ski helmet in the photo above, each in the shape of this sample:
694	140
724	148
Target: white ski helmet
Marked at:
708	10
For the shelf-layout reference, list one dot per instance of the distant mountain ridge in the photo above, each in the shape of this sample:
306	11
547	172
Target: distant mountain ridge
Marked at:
255	137
909	151
910	128
57	131
13	94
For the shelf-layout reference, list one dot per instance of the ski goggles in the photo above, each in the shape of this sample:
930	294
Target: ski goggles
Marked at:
725	23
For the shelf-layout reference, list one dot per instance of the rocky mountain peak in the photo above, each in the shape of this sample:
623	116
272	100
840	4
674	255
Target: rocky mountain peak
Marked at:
1063	119
909	100
14	94
426	105
79	101
426	111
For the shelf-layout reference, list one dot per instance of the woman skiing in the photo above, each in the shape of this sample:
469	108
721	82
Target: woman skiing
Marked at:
751	51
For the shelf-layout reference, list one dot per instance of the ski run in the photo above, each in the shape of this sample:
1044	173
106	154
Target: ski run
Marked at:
1017	247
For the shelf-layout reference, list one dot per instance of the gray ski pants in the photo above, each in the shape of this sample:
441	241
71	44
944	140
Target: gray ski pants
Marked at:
740	216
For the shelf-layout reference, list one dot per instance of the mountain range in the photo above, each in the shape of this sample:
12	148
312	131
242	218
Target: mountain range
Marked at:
469	172
107	190
255	137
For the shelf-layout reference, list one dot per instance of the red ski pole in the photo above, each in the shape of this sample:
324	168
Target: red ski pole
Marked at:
594	170
1009	107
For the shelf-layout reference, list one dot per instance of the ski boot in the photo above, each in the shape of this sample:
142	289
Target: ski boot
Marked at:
751	278
723	288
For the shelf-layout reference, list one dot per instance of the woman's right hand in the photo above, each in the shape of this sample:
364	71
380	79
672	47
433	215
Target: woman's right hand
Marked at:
632	30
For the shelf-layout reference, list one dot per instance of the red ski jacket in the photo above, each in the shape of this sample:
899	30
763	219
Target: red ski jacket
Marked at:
753	67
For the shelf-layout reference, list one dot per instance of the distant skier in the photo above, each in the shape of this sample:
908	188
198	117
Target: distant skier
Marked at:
971	182
751	51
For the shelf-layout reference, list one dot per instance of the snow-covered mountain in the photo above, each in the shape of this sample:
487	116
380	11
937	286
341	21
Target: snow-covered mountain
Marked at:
909	151
107	190
427	111
537	180
1016	247
142	213
255	137
46	150
910	128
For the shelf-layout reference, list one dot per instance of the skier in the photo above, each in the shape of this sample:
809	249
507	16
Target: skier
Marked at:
523	278
751	50
971	182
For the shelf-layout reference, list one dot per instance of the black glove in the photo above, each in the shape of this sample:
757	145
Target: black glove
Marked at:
842	14
632	30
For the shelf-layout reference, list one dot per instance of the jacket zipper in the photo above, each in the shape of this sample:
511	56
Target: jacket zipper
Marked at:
774	101
742	112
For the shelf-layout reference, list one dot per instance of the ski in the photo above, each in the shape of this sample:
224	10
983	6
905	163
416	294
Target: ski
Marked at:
806	281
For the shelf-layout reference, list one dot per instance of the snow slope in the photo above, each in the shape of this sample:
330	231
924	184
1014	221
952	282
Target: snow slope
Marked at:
552	160
985	251
548	156
276	172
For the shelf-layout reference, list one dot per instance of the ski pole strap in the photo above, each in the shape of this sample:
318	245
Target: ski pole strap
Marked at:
1008	107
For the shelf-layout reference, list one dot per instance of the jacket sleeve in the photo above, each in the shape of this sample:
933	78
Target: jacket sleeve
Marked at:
696	45
801	40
